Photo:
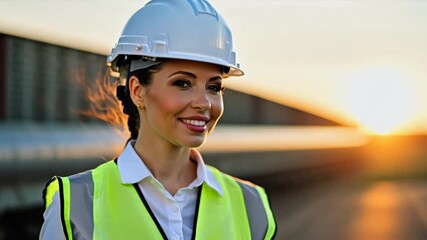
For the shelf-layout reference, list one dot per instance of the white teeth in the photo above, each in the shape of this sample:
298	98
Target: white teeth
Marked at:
194	122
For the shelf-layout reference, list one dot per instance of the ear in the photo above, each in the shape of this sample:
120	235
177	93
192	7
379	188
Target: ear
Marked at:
136	91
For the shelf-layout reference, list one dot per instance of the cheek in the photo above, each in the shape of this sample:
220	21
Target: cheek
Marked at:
167	105
217	107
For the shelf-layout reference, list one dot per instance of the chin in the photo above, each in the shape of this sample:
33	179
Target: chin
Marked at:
194	143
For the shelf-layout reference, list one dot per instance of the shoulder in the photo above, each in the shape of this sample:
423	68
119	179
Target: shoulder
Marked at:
253	195
226	179
85	176
59	184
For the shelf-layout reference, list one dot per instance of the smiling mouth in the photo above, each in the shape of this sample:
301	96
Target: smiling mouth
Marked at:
197	123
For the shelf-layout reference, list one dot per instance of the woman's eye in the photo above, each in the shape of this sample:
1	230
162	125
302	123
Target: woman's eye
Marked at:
216	88
182	83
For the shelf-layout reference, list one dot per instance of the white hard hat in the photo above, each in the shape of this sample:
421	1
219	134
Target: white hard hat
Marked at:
180	29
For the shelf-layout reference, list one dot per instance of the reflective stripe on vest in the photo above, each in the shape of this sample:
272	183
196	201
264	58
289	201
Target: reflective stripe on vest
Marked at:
96	205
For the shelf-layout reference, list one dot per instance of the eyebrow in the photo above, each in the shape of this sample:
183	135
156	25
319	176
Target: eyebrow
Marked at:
193	75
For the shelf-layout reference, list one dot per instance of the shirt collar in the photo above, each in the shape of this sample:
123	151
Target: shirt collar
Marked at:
203	173
133	170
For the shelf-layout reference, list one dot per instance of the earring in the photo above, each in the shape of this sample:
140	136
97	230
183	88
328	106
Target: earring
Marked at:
139	105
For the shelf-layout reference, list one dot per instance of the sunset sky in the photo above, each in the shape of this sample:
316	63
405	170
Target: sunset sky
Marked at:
356	62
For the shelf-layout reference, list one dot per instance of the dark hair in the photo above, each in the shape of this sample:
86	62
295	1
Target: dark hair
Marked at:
145	77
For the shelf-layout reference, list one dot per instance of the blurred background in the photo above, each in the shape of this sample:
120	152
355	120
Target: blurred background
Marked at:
331	116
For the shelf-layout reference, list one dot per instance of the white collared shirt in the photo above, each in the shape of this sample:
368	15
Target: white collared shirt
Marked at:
174	213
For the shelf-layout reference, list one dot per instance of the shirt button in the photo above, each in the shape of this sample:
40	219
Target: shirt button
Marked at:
175	209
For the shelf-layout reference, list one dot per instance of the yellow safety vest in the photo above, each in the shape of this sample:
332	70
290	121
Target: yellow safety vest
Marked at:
97	205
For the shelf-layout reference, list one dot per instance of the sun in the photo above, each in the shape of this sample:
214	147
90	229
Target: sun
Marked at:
380	100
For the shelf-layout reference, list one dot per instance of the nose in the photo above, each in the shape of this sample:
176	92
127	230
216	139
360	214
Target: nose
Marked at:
201	101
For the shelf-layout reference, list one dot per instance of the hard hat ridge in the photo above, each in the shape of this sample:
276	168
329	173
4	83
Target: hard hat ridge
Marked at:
202	6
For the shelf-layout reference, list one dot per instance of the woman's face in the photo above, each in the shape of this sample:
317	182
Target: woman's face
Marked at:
183	103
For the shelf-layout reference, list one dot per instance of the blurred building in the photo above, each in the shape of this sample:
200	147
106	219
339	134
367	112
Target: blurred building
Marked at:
42	83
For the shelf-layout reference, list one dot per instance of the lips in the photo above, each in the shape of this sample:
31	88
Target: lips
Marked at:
195	124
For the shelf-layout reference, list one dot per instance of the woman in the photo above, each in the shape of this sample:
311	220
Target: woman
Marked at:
172	56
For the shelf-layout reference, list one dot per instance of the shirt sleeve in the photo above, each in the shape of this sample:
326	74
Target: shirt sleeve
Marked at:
52	226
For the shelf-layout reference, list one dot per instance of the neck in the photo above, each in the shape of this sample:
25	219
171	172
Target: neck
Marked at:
169	164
